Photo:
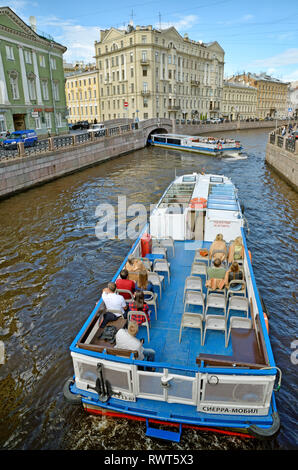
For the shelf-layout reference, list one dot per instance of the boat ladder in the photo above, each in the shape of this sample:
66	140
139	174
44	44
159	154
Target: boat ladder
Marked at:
162	433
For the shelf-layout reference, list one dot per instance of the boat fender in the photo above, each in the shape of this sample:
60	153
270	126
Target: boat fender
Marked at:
72	398
266	433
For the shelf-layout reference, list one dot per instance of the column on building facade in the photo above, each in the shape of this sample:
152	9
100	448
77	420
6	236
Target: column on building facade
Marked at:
37	81
24	77
3	86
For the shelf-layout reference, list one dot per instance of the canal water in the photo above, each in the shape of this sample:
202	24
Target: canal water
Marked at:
52	270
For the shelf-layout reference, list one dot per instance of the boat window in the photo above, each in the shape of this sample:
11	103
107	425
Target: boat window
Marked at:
189	179
216	179
159	139
173	141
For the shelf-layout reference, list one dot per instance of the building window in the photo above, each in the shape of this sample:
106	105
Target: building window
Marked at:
32	90
2	124
42	61
58	120
48	120
28	57
37	122
45	89
53	63
9	52
144	39
56	91
14	87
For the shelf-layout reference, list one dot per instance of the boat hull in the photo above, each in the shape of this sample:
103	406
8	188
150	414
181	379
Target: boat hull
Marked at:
204	151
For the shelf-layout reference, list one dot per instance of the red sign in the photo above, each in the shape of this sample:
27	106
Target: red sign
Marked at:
125	104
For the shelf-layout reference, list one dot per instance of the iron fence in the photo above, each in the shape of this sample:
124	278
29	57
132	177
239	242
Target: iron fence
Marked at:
290	145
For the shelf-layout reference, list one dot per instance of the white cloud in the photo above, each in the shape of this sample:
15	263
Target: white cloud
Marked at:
183	23
288	57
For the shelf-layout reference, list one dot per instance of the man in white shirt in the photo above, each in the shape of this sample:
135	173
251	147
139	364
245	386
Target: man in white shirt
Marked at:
126	339
113	301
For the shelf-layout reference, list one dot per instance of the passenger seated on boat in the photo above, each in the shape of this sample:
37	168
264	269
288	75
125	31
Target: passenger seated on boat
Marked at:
113	301
218	248
135	267
140	305
236	250
144	285
126	339
216	275
124	283
233	274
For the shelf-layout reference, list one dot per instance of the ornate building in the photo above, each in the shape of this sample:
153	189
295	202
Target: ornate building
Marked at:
239	101
32	92
146	72
272	94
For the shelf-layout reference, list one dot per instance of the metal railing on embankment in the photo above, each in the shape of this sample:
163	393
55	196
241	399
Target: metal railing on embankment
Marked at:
56	143
287	142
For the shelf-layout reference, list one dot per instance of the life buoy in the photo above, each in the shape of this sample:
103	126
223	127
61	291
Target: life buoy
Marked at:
266	322
198	203
219	146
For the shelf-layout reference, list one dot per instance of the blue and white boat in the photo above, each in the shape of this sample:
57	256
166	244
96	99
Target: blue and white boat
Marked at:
219	147
214	368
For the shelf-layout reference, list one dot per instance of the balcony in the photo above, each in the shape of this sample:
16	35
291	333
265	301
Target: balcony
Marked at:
173	107
144	61
145	92
194	83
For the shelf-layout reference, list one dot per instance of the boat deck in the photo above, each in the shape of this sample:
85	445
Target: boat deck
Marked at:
164	332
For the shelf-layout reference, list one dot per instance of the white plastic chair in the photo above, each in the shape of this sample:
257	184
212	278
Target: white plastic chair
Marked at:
152	300
238	303
168	242
238	322
159	250
161	265
198	258
194	297
215	322
216	301
192	283
147	263
126	291
236	283
156	280
191	320
198	269
145	322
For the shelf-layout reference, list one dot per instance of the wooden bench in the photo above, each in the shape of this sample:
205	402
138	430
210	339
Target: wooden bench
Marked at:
247	352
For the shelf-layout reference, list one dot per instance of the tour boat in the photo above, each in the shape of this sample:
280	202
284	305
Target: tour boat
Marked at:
214	368
198	144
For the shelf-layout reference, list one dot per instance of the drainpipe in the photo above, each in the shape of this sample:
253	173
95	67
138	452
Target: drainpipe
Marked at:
53	97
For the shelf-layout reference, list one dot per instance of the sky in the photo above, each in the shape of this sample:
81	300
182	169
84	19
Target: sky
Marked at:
257	36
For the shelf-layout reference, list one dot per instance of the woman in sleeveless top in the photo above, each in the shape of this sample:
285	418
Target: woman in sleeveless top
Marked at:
236	251
218	249
233	274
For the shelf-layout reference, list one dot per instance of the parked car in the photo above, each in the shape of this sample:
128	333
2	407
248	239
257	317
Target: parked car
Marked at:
80	125
97	129
215	121
29	137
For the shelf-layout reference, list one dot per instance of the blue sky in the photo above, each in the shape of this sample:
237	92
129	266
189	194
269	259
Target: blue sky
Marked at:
256	35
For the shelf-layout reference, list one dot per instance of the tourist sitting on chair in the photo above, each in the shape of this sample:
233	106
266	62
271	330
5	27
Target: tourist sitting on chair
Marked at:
218	249
216	275
233	274
113	301
144	285
126	339
236	250
124	283
139	305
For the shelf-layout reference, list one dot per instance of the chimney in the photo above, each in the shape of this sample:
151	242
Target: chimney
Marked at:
32	20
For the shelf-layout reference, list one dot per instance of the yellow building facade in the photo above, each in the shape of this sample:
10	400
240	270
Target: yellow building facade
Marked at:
82	96
272	94
146	73
239	101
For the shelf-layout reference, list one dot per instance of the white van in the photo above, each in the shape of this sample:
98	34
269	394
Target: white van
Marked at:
97	129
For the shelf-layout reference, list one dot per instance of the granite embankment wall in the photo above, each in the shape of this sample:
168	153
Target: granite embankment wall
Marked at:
282	157
25	171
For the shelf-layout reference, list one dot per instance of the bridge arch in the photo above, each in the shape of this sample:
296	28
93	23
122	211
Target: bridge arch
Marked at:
157	126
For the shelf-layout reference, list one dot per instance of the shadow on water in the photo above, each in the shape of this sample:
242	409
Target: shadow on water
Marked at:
52	270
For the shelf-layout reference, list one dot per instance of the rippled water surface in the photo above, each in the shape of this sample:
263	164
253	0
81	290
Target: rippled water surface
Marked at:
52	268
